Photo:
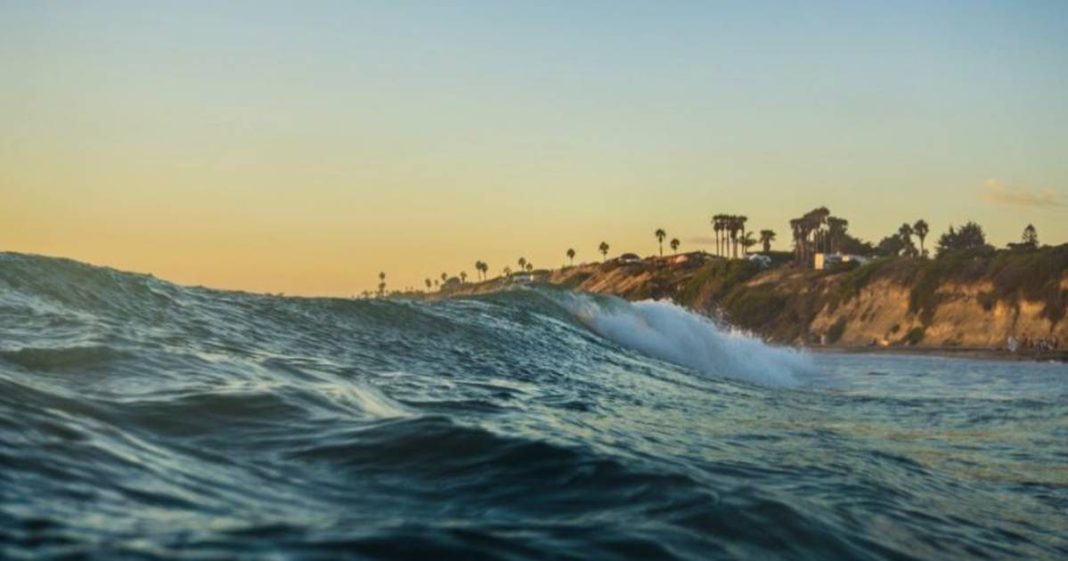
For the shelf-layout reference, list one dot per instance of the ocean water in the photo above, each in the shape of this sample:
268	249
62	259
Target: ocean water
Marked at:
143	420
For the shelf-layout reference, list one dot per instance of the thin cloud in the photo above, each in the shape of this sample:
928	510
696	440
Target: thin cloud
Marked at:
999	193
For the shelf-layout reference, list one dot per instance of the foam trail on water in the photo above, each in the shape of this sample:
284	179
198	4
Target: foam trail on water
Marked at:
669	332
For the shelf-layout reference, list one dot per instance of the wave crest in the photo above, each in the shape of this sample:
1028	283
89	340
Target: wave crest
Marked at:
669	332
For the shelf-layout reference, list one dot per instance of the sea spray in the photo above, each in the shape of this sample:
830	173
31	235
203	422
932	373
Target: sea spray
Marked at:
669	332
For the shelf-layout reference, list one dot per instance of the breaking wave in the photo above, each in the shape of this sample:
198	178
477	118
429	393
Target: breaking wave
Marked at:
144	420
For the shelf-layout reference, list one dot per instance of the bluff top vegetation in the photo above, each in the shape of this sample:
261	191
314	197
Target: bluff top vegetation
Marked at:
814	232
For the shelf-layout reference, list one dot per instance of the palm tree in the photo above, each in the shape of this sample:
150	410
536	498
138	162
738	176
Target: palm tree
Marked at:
921	229
507	271
444	277
735	226
717	227
660	235
603	248
571	256
766	237
741	220
437	283
905	231
729	235
836	230
813	223
382	283
522	262
463	277
675	245
722	227
428	284
746	241
530	266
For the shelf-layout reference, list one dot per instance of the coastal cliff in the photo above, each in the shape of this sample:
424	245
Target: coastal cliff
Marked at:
967	301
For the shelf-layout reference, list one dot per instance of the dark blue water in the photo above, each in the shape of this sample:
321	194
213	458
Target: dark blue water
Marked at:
143	420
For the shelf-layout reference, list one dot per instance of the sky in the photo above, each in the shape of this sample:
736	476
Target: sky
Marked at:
303	147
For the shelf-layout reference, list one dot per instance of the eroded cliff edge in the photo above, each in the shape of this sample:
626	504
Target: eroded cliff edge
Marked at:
981	300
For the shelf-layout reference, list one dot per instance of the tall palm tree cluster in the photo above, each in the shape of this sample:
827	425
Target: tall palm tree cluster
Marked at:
900	242
731	234
920	230
766	237
482	269
817	232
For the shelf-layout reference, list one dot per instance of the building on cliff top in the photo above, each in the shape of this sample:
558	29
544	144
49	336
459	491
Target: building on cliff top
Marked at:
823	261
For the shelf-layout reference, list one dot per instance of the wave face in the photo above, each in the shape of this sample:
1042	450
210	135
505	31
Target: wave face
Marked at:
143	420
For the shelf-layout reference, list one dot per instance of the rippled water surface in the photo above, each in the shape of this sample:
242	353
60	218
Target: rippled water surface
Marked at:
139	419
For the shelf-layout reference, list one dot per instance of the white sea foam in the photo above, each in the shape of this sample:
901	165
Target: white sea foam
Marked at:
367	399
669	332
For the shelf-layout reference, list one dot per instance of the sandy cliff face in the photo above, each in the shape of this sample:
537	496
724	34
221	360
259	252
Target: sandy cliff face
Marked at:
970	303
880	314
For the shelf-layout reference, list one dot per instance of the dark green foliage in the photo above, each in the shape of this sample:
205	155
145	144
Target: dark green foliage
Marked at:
890	246
845	267
834	334
987	300
753	308
855	246
1030	236
924	297
715	279
915	335
969	237
1034	276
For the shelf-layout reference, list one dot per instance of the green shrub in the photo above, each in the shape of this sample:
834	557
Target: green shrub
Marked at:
834	334
915	335
716	278
924	298
753	307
